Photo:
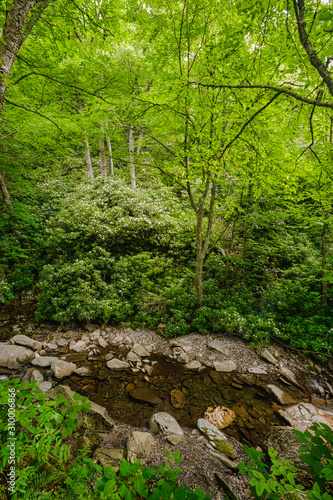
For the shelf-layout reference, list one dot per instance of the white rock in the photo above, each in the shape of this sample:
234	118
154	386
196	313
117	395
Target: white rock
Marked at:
165	424
62	342
302	416
280	395
140	350
26	342
257	371
183	358
95	335
268	356
44	386
109	356
117	364
52	346
193	365
79	346
289	375
62	368
131	356
85	338
103	344
139	446
225	366
83	371
36	375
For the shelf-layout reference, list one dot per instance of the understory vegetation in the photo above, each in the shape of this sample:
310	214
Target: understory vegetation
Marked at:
48	467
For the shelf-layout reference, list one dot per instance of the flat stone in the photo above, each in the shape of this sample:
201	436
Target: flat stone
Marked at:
13	356
109	457
302	416
102	419
52	346
26	342
139	446
219	346
280	395
145	395
225	366
62	369
83	371
165	424
268	356
43	361
257	371
216	437
289	375
131	356
103	344
36	375
193	365
141	351
109	356
117	365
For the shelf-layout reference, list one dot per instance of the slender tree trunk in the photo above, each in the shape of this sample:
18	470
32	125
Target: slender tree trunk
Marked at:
248	205
108	142
324	252
140	141
4	190
131	156
88	158
102	157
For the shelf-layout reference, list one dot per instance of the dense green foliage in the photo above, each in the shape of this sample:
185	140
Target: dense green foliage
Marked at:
45	468
279	480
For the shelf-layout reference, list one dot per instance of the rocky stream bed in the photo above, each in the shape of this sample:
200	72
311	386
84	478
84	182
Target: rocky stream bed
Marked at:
134	377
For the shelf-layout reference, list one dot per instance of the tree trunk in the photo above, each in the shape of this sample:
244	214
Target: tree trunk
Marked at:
13	35
324	251
246	223
131	156
140	141
88	158
4	190
108	142
102	157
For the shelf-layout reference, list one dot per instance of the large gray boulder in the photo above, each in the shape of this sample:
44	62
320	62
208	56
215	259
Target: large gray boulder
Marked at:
102	419
139	446
165	424
216	437
26	342
13	356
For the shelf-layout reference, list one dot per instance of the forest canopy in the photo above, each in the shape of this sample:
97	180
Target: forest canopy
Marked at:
169	164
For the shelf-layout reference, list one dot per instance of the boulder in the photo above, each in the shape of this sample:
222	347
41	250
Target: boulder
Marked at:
281	396
45	386
109	457
216	437
109	356
13	356
62	342
165	424
178	398
62	368
78	346
36	375
225	366
302	416
117	365
102	343
139	446
220	416
219	346
141	351
26	342
284	441
145	395
102	419
83	371
43	361
131	356
183	358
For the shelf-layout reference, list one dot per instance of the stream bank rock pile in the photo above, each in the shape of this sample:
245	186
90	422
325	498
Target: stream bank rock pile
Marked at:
48	361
